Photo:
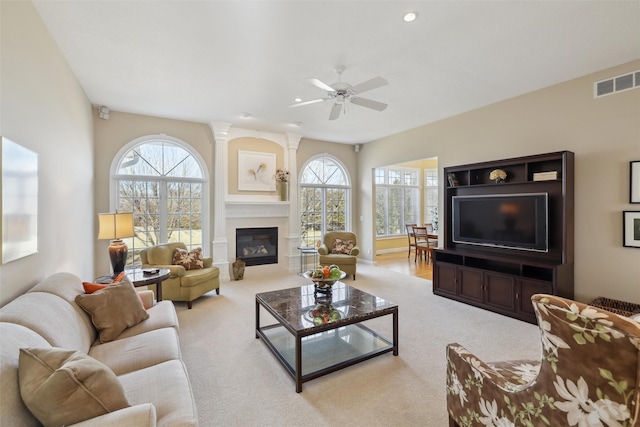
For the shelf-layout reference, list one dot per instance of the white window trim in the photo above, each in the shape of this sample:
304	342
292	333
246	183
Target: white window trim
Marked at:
114	176
347	187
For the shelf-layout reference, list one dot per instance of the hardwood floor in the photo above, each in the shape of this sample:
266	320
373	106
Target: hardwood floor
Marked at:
398	261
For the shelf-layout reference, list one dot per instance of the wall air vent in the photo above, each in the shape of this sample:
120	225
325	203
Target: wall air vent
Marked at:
616	84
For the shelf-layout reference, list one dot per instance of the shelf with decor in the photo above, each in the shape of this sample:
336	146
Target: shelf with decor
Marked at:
507	238
520	170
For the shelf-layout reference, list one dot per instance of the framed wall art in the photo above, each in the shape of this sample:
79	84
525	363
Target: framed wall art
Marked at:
631	229
634	181
19	201
256	171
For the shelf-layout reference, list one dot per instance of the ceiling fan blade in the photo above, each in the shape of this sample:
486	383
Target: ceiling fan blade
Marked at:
313	101
364	102
335	111
322	85
374	83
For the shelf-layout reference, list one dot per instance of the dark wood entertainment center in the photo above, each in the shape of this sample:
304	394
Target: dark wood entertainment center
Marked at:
504	279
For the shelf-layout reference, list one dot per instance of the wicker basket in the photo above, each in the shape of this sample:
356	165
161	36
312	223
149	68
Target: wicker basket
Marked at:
622	308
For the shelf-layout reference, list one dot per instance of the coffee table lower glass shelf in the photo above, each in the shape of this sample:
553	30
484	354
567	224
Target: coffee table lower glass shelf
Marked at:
308	350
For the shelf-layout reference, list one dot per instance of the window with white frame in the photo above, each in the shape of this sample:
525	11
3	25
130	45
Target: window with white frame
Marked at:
431	197
162	182
397	200
324	198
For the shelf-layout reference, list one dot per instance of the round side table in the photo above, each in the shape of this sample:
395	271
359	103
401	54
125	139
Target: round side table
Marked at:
139	278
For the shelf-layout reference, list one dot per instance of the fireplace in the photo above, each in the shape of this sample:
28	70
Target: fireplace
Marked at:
257	246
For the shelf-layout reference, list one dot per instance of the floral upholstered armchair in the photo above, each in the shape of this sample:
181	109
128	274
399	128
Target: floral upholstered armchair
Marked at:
588	374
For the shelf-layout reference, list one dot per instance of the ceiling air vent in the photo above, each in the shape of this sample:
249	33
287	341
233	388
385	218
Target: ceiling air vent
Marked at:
616	84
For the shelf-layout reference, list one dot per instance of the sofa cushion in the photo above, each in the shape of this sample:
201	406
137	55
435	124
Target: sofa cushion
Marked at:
63	324
190	260
141	351
161	315
113	309
167	387
62	387
64	285
342	246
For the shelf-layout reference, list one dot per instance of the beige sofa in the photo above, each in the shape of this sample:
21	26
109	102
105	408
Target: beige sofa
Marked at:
346	242
182	284
145	358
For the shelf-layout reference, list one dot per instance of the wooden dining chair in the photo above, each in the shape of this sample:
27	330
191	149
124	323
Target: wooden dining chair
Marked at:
431	232
412	243
424	245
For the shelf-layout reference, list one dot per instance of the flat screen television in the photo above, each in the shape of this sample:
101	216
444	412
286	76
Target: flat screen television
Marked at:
512	221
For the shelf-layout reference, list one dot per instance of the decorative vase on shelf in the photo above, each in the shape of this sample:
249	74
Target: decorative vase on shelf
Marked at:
284	191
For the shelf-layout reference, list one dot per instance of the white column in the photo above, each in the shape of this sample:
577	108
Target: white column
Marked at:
220	243
293	237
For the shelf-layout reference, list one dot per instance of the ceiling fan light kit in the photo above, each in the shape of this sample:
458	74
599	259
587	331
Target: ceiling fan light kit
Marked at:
341	93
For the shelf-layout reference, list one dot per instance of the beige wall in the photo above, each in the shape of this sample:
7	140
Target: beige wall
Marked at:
122	128
44	109
604	134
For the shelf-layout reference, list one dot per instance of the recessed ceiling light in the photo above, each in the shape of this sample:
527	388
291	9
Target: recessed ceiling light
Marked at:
410	16
298	99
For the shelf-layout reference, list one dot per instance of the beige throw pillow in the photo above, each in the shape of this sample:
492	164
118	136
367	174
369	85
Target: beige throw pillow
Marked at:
190	260
113	309
342	246
63	387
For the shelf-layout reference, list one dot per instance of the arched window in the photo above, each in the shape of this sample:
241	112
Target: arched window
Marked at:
324	198
163	183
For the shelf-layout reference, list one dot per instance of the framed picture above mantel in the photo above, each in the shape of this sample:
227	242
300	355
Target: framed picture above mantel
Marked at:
256	171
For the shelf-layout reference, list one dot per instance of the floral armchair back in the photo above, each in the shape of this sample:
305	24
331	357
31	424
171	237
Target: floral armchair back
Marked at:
588	374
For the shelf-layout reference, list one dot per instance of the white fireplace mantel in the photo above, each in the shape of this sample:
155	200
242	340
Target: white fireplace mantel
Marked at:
249	209
240	210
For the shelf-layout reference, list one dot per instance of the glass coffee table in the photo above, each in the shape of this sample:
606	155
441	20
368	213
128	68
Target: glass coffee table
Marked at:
317	333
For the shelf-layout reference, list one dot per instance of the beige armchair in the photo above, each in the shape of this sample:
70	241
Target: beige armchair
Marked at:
182	284
340	248
587	375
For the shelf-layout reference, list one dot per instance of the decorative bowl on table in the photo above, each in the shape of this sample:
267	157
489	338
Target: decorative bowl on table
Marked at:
323	281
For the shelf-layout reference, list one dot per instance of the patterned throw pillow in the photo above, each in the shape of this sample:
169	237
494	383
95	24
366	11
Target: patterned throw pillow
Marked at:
342	246
190	260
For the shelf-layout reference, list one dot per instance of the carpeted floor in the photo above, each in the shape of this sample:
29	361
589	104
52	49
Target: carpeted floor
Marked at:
238	382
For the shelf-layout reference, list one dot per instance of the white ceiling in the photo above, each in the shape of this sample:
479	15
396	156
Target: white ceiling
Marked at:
209	61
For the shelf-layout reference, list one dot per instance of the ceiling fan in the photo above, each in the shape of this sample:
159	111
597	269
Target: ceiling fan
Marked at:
342	93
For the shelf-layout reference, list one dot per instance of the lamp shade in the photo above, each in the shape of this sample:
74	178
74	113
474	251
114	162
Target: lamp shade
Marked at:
115	225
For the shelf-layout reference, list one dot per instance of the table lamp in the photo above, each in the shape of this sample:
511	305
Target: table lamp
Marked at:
116	226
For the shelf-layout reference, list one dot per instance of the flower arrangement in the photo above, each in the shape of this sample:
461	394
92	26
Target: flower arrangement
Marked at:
256	173
498	175
282	175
